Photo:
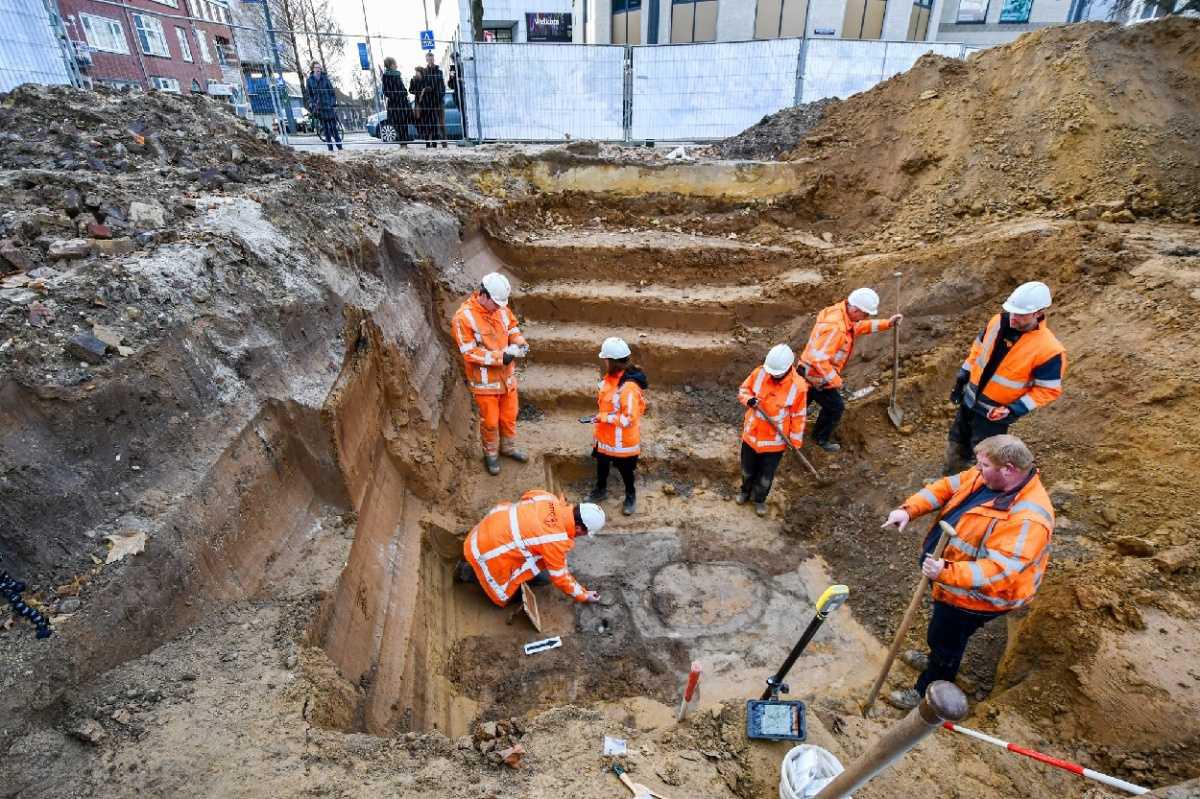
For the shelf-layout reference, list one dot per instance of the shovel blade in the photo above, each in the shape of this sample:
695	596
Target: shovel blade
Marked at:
896	414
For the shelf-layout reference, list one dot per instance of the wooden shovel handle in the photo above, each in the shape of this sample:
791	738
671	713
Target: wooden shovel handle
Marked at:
906	622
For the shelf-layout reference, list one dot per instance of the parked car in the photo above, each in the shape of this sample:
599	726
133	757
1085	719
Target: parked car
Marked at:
378	127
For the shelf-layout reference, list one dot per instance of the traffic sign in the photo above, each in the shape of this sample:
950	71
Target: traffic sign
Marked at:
427	40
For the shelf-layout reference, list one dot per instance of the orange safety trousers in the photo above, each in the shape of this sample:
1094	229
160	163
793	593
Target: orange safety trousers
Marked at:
497	419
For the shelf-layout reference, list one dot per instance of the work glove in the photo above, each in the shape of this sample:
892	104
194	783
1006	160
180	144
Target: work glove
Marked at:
898	518
752	402
956	393
516	350
507	358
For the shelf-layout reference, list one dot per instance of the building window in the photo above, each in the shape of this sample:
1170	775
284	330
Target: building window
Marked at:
503	34
165	84
627	21
864	19
150	35
693	21
918	20
171	3
104	34
226	56
778	19
196	87
185	49
971	11
1016	10
202	40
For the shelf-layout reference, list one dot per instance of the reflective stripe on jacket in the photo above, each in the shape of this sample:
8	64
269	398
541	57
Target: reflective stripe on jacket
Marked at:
1029	377
481	337
784	400
516	540
832	342
618	426
997	559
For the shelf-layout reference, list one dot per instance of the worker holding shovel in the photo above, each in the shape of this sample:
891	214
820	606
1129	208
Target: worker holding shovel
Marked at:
994	562
776	400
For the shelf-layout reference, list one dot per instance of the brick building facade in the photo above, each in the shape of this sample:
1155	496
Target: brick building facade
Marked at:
152	44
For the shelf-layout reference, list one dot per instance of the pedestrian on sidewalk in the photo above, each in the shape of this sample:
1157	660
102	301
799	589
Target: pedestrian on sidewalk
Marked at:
1015	365
416	87
994	564
618	421
322	104
527	542
828	351
777	391
487	334
399	110
435	102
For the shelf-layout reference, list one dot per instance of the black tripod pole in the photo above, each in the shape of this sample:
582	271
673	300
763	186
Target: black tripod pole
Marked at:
831	600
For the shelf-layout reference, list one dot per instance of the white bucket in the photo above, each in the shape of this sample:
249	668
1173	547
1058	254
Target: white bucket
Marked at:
805	771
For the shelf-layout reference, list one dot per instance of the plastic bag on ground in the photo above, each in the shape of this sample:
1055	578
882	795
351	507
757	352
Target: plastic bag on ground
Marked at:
805	771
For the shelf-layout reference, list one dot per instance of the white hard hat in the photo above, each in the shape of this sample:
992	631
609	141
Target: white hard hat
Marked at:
593	517
779	360
614	347
497	287
865	300
1028	298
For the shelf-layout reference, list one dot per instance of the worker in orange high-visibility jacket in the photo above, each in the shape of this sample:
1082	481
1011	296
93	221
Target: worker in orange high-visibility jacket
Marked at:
995	561
490	341
527	542
1015	365
617	425
829	348
776	400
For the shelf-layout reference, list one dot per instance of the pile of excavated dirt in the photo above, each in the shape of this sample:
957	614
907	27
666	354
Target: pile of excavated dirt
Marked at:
1098	121
775	134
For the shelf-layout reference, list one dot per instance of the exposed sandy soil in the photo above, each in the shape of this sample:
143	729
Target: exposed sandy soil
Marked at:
289	430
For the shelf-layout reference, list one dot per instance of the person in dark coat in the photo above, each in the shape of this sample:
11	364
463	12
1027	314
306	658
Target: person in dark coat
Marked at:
322	104
399	111
416	87
433	92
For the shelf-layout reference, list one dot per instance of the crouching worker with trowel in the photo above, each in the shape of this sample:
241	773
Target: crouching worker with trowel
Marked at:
993	564
527	542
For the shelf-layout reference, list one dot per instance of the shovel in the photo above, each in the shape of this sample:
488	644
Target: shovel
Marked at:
792	447
639	791
894	411
906	622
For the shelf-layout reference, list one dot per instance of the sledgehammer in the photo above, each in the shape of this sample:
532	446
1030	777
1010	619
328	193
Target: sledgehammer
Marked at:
906	622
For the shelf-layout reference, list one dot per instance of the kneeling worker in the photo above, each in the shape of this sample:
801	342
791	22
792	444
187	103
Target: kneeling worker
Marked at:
527	542
486	332
994	564
776	391
618	422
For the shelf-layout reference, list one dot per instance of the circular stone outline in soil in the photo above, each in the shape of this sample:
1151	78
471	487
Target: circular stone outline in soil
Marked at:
713	598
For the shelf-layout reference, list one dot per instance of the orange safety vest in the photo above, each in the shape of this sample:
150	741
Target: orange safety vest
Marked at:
784	400
832	342
997	557
618	427
481	337
516	540
1015	381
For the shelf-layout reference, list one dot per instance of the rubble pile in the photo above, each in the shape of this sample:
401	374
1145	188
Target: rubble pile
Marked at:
776	133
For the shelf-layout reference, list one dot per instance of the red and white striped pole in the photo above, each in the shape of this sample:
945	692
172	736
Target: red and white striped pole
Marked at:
691	692
1065	765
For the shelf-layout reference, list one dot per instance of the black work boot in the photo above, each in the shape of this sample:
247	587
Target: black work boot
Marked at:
597	495
492	462
630	506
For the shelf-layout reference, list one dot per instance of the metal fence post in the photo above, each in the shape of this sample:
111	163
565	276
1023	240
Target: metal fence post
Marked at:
883	64
801	64
475	91
627	96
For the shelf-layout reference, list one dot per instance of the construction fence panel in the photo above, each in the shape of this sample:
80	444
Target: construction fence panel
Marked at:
545	92
841	67
29	51
710	90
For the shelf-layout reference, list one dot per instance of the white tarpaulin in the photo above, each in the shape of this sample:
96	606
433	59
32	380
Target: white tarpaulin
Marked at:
710	90
545	91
